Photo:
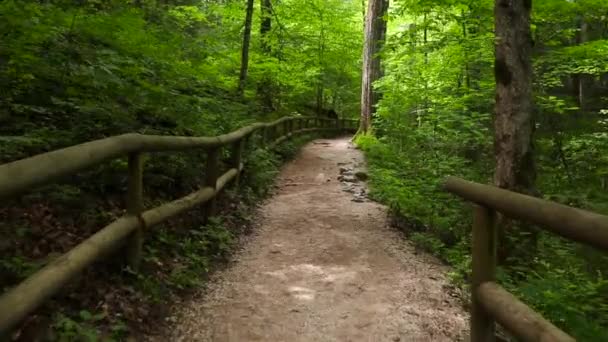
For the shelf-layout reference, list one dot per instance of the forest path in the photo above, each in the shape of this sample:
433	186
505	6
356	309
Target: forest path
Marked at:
324	265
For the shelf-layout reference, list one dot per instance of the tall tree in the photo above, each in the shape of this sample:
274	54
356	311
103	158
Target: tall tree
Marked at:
245	48
513	124
579	79
321	61
375	32
264	88
513	109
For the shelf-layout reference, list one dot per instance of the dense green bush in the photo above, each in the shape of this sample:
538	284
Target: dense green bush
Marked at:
434	121
565	281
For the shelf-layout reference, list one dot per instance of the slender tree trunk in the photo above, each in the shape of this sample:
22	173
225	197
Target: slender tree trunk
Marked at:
375	32
467	77
580	79
266	25
245	49
321	78
264	88
363	12
425	104
513	124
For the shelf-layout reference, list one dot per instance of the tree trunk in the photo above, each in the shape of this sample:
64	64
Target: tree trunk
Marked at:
320	56
245	49
264	88
266	24
467	76
375	32
580	79
513	124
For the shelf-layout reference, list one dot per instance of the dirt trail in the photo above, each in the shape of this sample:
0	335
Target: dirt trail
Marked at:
323	265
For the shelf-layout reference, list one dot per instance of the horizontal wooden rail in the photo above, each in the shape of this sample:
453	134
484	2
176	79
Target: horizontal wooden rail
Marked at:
20	176
25	297
572	223
492	302
516	316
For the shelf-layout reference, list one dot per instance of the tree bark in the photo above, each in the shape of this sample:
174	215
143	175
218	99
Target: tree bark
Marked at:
264	88
375	32
321	78
245	49
580	79
513	123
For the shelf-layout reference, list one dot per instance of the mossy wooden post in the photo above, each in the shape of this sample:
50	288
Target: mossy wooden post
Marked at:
236	157
135	206
484	269
212	174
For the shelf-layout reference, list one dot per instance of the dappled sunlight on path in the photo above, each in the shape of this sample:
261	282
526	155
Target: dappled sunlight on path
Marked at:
323	265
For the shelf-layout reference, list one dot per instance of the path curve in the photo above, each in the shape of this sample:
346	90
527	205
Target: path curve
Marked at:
323	265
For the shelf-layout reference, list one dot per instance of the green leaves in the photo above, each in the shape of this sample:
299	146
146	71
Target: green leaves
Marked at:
435	120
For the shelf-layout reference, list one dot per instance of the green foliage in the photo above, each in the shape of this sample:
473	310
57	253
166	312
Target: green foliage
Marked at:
261	170
82	327
75	71
18	266
434	121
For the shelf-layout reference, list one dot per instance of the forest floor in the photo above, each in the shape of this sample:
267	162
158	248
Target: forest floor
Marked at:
323	264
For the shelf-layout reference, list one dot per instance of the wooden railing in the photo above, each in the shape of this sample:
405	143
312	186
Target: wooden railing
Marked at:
491	302
24	175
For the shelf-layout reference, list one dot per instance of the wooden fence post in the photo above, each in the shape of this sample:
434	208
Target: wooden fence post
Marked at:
236	157
484	269
212	174
135	206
